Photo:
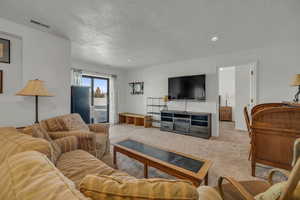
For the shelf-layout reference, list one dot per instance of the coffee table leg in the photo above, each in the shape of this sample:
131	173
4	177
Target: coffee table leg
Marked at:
206	179
115	158
145	170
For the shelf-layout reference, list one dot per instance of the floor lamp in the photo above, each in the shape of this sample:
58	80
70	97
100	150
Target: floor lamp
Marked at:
37	89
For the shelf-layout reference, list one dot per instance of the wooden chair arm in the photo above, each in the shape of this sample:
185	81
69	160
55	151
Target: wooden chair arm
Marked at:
273	171
244	193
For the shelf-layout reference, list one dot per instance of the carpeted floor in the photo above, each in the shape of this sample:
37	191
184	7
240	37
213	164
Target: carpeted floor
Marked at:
229	152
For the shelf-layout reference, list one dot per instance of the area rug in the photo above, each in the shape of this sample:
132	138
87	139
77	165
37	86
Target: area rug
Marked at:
229	158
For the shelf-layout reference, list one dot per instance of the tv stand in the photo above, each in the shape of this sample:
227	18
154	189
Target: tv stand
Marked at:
195	124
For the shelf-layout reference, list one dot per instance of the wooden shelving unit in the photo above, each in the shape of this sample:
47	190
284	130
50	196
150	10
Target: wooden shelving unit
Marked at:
136	119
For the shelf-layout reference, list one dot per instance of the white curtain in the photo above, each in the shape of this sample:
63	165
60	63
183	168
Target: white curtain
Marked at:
76	77
113	99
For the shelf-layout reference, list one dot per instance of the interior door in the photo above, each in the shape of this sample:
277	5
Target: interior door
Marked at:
245	87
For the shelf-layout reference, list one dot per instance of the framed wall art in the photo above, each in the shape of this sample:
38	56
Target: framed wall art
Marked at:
137	87
4	51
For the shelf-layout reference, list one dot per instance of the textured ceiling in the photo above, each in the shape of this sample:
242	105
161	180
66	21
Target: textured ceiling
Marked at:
139	33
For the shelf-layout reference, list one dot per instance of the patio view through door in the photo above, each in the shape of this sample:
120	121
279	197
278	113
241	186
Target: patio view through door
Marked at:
99	91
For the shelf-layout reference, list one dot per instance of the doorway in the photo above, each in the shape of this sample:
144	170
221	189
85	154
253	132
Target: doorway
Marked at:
237	89
99	95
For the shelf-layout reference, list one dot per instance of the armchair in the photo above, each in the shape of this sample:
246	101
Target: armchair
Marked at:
251	190
93	138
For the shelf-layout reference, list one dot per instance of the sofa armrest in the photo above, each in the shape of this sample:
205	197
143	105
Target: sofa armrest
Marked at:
86	140
208	193
99	128
67	144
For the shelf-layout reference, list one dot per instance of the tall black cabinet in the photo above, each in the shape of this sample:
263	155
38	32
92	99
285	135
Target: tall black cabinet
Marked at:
80	102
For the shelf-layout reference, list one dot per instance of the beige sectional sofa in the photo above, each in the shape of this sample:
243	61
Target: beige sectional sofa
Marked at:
27	172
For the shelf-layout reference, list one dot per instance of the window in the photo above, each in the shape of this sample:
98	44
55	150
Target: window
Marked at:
99	94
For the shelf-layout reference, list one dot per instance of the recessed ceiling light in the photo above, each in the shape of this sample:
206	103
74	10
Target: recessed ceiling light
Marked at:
214	39
129	60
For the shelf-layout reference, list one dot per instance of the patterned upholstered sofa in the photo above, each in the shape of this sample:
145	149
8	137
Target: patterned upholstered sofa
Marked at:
93	138
28	172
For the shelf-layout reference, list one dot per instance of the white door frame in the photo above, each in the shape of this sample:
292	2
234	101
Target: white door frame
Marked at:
253	84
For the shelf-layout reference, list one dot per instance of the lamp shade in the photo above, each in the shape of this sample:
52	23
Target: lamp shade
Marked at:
296	80
34	88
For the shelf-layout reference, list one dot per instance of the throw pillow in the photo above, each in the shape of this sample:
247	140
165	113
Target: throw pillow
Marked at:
274	192
39	132
115	188
54	125
73	122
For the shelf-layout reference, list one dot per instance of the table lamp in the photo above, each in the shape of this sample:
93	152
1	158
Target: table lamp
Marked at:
296	82
37	89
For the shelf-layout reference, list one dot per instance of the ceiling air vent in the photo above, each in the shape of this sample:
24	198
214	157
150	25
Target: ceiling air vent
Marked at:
39	23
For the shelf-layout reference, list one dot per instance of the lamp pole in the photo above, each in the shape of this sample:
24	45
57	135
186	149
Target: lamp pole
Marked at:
36	109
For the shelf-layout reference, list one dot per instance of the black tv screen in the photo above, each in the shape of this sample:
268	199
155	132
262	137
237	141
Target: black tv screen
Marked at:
187	87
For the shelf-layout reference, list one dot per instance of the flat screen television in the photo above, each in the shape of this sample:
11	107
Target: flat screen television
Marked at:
187	87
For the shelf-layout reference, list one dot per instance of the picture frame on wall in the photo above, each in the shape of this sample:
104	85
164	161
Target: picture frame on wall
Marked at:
1	81
4	50
136	88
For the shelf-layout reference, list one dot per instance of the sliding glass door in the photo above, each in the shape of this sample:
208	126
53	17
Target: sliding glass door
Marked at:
99	93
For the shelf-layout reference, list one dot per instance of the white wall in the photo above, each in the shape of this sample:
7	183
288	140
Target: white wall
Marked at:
276	66
227	87
35	54
156	85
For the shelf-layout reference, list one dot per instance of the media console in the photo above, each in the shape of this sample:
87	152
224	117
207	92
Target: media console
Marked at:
188	123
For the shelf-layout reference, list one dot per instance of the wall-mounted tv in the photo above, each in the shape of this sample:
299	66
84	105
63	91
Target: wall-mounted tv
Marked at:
187	87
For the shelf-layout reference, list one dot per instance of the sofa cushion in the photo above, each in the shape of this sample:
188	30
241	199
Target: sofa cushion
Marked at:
77	164
115	188
13	142
73	122
31	176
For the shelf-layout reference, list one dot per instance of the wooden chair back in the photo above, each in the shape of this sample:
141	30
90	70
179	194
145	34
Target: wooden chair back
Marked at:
274	131
292	182
262	106
247	120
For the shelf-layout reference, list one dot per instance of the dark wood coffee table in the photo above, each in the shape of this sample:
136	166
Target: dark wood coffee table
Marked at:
180	165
